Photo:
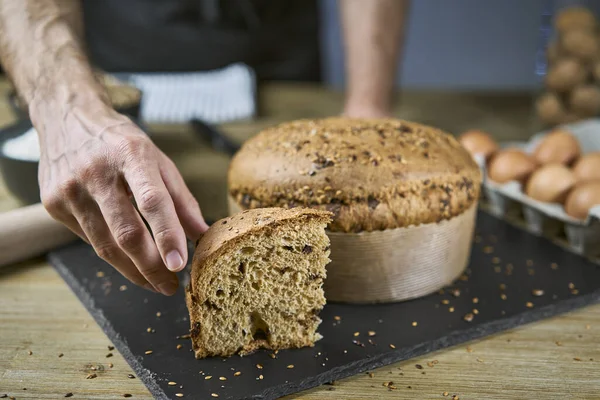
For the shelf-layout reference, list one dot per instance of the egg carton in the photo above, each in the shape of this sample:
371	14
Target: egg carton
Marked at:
548	219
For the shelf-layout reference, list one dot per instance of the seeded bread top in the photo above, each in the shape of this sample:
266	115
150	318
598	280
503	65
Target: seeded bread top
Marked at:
373	174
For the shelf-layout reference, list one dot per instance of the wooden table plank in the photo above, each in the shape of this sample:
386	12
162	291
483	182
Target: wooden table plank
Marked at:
38	312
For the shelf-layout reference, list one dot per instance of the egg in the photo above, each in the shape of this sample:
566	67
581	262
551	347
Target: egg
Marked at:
511	165
478	142
550	183
575	17
582	198
580	43
585	100
565	74
550	109
587	168
558	146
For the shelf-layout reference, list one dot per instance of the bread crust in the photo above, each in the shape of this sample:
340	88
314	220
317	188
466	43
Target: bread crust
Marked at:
372	174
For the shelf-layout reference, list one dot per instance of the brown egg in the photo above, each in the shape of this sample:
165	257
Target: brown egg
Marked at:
550	183
550	109
582	198
587	168
581	43
558	146
575	18
565	74
478	142
511	165
585	100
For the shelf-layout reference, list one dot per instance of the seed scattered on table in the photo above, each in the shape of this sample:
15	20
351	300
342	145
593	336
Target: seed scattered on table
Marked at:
356	334
123	288
529	304
371	333
110	365
186	336
172	383
148	352
259	366
502	286
469	350
109	355
178	394
537	292
214	395
496	260
488	249
222	378
207	377
479	359
418	366
455	397
238	373
29	352
91	376
554	266
475	300
127	395
131	376
451	309
475	311
503	296
468	317
456	292
392	346
571	285
445	394
290	366
414	323
430	364
69	394
261	377
445	301
179	346
100	274
576	358
558	343
371	374
574	291
60	355
337	318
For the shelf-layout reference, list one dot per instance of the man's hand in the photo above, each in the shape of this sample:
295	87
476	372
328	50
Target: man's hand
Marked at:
92	164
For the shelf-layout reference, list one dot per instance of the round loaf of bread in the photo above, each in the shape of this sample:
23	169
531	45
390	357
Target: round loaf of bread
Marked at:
387	182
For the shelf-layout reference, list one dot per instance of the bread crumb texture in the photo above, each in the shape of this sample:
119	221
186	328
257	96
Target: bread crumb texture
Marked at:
257	282
371	174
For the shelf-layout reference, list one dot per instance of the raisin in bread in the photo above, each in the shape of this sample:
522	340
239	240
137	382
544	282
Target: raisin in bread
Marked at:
256	282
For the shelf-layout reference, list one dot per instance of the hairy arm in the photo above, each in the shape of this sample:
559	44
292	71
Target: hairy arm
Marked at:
373	32
92	158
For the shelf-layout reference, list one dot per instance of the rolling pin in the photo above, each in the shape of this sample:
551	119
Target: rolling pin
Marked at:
30	232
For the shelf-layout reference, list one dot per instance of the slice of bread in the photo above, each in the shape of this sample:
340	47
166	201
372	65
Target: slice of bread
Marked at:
256	282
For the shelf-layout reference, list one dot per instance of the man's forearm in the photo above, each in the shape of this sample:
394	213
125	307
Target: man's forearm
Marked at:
42	51
373	35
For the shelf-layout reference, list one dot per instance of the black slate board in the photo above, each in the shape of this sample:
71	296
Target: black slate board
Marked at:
502	254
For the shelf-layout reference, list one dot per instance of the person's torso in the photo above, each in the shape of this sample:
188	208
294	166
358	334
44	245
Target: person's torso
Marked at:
279	38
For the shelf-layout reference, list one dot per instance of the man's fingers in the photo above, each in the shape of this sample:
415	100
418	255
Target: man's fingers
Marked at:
92	223
186	205
156	206
132	237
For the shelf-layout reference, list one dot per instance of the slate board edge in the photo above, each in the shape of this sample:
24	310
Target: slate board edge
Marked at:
451	339
143	374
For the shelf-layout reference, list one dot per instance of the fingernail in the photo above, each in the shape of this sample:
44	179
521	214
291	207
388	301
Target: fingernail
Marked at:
150	288
168	288
174	261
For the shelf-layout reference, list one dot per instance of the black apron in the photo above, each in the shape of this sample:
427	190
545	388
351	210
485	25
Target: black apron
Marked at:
278	38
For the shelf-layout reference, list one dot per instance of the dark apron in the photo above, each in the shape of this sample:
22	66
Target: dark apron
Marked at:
278	38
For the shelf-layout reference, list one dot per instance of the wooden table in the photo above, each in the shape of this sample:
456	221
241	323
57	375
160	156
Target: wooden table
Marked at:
49	343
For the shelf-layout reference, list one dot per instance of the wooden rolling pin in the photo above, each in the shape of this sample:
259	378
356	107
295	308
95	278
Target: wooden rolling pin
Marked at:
30	232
